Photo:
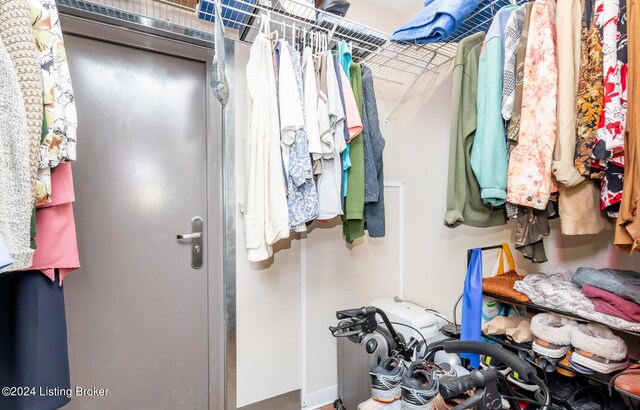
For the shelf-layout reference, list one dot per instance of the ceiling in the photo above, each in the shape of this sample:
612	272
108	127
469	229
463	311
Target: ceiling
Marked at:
402	7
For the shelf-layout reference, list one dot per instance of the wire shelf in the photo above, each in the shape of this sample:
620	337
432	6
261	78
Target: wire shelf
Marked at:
398	63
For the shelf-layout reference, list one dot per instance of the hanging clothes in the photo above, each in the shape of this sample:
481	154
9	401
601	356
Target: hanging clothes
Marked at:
330	182
17	35
374	147
55	224
311	105
33	340
569	17
353	224
590	91
324	122
579	198
302	197
339	76
5	255
16	192
627	227
512	35
59	132
532	224
353	118
264	202
613	119
345	58
611	128
489	150
513	126
464	204
529	175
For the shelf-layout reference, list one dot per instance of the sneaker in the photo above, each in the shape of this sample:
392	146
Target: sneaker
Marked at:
420	385
386	378
452	371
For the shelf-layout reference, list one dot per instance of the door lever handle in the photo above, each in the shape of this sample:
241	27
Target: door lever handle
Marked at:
194	235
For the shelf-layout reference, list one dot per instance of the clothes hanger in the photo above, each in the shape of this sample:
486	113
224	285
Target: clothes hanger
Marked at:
284	31
294	39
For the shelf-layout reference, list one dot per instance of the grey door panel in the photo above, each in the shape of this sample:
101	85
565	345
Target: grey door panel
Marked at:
137	309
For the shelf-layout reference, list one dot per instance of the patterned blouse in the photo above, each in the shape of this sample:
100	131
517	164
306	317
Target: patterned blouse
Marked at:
590	92
60	119
529	179
614	115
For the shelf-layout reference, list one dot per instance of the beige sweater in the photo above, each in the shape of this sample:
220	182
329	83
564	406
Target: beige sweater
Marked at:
16	192
17	35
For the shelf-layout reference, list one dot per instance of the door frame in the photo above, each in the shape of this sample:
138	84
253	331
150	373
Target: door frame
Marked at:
220	185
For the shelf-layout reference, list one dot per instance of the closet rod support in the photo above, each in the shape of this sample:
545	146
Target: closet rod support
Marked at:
410	87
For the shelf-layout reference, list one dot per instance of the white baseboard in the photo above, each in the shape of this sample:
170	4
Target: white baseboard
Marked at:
321	398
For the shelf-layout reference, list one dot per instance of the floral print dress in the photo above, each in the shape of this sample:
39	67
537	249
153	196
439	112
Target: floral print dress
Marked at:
60	120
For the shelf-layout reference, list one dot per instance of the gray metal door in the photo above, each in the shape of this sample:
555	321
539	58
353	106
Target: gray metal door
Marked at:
137	310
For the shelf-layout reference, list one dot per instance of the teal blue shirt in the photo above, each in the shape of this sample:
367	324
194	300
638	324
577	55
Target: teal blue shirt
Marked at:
489	152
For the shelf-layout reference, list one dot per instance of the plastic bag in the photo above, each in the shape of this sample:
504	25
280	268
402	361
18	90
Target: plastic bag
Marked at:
337	7
217	76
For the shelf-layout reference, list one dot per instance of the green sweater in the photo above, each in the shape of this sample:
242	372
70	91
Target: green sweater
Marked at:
464	205
353	221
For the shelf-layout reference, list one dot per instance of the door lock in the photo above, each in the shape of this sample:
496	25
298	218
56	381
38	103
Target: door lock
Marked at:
195	237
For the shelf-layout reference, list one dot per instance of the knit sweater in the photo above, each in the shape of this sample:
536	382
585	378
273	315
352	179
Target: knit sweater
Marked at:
15	185
353	226
17	35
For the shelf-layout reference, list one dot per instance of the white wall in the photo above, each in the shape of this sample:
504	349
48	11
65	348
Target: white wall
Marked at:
342	276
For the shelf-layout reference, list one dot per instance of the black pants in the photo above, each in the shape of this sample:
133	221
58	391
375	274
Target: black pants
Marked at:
33	341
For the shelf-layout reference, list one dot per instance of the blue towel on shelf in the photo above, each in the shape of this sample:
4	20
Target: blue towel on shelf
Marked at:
436	22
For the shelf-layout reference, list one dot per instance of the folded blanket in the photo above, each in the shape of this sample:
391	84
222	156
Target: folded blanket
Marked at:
624	283
610	304
554	290
436	21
